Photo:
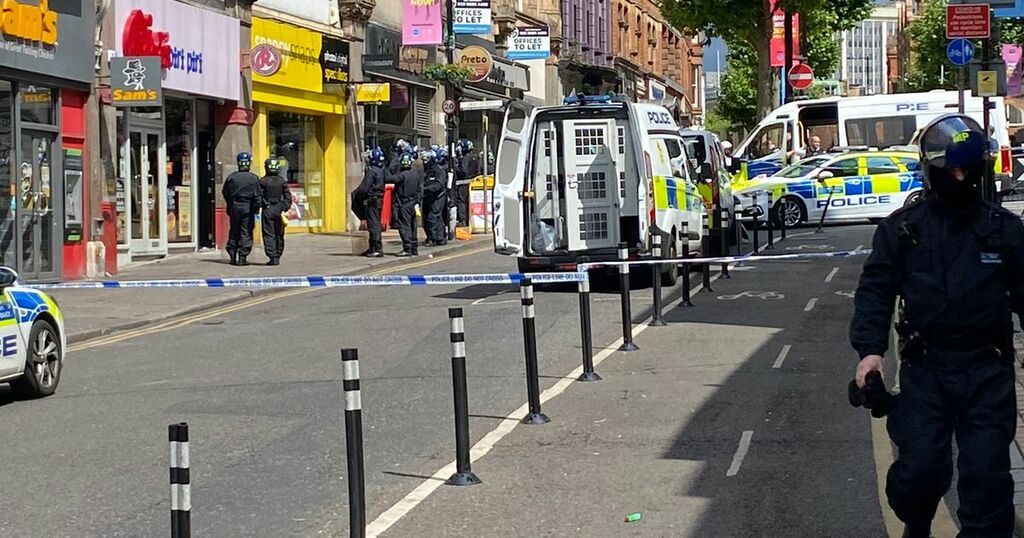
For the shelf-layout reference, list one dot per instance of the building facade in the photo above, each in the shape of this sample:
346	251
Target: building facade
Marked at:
864	65
586	60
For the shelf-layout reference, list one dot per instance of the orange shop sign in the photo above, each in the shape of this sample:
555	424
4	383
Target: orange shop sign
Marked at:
25	21
479	60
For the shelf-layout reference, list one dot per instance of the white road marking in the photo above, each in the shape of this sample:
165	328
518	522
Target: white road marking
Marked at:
481	300
397	511
741	452
859	247
810	304
782	356
801	234
832	274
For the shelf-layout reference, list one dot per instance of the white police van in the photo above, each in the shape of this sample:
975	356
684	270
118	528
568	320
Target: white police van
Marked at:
574	181
879	121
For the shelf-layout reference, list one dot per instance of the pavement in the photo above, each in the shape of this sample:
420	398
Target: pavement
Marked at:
93	313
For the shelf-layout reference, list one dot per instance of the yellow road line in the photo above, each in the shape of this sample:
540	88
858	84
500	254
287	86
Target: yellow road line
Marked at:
248	303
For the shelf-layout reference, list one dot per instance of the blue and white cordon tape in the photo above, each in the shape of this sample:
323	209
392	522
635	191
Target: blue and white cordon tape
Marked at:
730	259
324	281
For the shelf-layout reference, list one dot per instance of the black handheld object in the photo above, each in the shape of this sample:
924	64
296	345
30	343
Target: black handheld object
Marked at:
873	396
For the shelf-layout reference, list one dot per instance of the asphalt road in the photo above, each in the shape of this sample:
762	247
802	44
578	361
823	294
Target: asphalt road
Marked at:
261	389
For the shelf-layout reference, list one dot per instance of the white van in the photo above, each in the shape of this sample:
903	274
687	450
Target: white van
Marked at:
878	121
573	181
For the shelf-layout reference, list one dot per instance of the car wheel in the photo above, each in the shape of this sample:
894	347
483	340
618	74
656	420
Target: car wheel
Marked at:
670	273
912	199
789	212
43	364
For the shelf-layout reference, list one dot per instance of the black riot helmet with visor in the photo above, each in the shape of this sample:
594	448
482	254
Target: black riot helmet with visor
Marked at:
954	154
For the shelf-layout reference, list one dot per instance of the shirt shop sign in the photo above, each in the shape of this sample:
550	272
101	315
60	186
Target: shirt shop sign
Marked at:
198	49
50	37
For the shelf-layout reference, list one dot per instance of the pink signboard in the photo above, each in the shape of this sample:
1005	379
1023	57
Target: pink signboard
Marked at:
421	22
1012	56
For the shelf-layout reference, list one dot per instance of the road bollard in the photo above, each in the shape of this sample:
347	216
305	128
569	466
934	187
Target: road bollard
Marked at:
464	475
705	242
737	211
627	313
686	267
656	319
530	342
723	233
585	335
754	216
181	488
771	224
782	226
354	443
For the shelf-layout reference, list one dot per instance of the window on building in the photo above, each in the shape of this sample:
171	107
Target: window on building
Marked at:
298	138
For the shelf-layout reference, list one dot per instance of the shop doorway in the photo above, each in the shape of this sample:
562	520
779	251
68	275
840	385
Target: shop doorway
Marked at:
207	189
39	200
146	199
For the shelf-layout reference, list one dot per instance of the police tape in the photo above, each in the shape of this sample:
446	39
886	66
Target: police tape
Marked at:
324	281
730	259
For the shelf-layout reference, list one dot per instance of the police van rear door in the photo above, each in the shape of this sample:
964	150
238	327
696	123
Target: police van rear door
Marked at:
510	173
591	183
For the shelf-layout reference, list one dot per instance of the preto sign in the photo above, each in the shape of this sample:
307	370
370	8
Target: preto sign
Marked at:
135	81
479	60
199	49
48	37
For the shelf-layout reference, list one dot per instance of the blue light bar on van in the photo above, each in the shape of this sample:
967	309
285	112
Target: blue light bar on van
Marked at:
587	99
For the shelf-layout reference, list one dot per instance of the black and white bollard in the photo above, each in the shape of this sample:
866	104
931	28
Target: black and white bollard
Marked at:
755	226
181	488
771	223
782	224
627	311
354	443
656	319
586	336
686	266
534	416
737	211
464	475
705	242
723	232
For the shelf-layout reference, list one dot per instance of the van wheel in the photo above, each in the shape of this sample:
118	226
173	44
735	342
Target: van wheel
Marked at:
670	273
789	212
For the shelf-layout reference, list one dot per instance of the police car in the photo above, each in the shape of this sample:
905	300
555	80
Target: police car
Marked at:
32	338
853	185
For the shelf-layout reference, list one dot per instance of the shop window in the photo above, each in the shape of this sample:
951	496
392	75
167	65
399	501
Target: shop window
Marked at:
7	187
37	104
178	115
298	139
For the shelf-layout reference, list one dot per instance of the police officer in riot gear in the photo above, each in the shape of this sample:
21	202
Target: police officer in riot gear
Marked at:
368	198
277	200
956	263
467	167
243	198
408	192
434	198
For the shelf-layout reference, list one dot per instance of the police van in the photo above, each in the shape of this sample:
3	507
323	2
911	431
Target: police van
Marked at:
878	121
573	181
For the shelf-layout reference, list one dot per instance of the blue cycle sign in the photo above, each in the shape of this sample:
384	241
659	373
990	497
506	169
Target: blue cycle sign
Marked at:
960	51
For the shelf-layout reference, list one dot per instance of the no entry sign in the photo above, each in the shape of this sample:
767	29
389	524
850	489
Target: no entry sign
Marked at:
972	21
801	76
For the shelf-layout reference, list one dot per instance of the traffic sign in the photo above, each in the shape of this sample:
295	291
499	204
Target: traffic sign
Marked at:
987	84
960	51
973	21
449	107
801	76
482	105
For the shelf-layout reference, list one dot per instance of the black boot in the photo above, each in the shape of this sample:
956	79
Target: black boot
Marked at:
233	260
372	254
405	254
242	261
917	531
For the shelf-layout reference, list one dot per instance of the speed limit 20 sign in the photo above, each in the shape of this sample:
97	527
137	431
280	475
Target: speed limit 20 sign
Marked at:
449	107
472	17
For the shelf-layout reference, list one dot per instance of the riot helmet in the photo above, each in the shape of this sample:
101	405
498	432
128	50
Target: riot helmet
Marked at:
244	160
954	154
376	157
428	156
406	161
273	165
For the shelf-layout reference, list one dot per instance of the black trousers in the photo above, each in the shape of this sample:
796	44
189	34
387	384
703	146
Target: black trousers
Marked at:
407	226
462	204
434	201
240	235
273	234
373	225
970	395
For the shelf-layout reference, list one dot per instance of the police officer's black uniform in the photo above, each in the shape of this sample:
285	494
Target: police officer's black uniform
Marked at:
957	264
408	193
434	201
242	195
467	168
369	196
277	200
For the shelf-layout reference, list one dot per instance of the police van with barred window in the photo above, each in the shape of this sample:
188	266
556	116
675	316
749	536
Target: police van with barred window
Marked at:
573	181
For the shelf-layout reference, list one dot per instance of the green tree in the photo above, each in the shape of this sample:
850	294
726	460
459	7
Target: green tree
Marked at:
738	99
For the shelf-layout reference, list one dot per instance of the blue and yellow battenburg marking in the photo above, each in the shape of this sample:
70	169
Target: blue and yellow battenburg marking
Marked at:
672	193
29	304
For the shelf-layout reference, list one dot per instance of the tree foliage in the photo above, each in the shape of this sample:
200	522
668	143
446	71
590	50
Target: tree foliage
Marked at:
738	100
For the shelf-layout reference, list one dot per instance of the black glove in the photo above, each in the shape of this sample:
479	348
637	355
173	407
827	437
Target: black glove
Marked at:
873	396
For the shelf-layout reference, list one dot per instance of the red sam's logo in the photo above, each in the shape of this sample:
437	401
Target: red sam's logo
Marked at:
139	39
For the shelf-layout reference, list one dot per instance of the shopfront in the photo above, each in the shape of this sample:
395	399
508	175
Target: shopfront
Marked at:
484	102
165	187
45	72
299	78
409	114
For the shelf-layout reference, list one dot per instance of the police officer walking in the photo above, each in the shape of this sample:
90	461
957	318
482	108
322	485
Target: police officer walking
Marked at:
467	167
434	198
369	198
408	193
957	265
277	200
243	198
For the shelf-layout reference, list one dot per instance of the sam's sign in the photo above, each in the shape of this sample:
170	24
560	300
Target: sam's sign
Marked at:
33	23
135	81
